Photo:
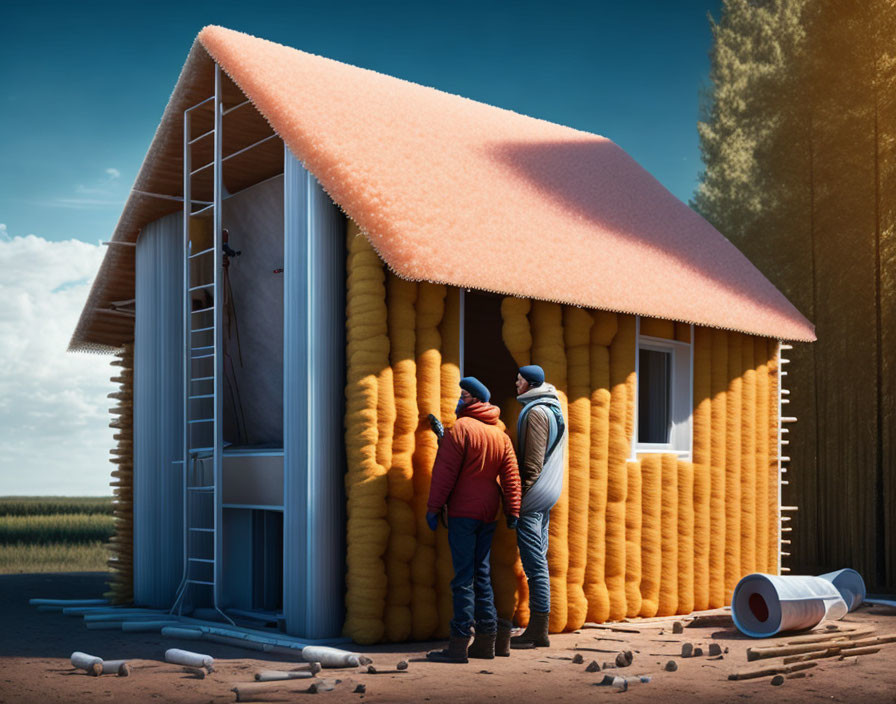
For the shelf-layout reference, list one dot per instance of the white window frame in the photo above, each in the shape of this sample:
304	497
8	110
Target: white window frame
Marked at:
681	390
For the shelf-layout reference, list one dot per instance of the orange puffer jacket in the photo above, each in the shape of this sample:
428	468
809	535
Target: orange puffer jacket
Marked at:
474	454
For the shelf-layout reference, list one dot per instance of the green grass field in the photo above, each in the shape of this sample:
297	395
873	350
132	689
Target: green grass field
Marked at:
54	533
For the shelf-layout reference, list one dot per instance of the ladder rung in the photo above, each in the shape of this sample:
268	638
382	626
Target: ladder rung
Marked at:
204	251
202	168
203	356
203	530
201	488
202	396
201	559
196	288
204	347
245	149
202	136
238	105
202	378
210	327
202	420
194	213
200	581
201	449
202	310
177	461
199	104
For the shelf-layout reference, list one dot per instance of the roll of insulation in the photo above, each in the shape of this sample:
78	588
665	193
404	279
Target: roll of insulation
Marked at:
764	604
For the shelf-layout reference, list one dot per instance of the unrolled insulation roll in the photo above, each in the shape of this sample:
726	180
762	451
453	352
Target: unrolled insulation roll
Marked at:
367	354
685	537
774	535
402	297
718	443
764	605
424	598
622	365
702	530
651	541
763	475
602	333
449	330
668	596
748	459
633	519
577	331
546	320
733	404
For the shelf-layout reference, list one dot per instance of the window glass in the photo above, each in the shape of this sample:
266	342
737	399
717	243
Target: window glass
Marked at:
654	396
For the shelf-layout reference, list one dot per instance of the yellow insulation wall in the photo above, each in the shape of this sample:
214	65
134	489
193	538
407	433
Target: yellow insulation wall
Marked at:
652	537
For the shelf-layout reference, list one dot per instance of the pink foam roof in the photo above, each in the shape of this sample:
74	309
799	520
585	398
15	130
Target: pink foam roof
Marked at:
459	192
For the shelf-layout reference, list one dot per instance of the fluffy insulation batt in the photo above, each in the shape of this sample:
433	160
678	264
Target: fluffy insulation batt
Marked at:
734	401
577	331
546	320
717	475
445	187
402	296
424	597
772	464
602	333
748	459
622	367
651	531
633	518
367	354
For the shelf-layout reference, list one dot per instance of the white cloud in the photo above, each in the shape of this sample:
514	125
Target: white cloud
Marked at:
113	172
4	235
54	434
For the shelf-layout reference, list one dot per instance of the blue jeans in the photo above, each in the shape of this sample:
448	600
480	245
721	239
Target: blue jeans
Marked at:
532	539
471	545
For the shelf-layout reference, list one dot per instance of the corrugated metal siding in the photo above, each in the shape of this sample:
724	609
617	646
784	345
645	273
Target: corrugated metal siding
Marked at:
158	412
314	384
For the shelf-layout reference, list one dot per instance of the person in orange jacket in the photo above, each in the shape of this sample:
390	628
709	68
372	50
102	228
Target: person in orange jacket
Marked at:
474	455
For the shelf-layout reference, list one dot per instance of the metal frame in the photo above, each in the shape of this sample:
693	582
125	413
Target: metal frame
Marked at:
675	346
782	458
190	454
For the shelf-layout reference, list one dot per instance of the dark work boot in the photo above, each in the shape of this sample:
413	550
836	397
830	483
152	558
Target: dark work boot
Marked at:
536	633
483	646
455	652
502	639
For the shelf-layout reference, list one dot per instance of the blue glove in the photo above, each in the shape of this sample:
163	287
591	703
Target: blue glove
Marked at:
512	521
432	520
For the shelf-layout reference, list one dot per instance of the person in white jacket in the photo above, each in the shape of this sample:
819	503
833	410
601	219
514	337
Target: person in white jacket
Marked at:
541	431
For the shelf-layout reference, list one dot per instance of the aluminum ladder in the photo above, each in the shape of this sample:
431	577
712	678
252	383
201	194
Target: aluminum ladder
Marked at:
202	370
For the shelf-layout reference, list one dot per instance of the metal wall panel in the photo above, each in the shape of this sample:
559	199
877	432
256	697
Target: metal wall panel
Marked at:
158	412
314	388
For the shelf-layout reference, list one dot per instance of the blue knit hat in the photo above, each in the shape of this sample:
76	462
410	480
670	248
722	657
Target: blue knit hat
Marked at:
533	374
475	388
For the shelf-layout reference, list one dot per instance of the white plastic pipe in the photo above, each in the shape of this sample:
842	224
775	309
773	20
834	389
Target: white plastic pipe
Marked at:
188	658
765	604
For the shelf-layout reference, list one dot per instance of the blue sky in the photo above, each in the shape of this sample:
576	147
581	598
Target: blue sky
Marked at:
84	85
82	88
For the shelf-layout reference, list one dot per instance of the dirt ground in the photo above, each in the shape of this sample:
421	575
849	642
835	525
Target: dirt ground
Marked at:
35	649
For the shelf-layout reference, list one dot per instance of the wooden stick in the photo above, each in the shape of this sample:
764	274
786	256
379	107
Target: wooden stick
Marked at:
771	671
830	653
779	651
611	627
828	635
